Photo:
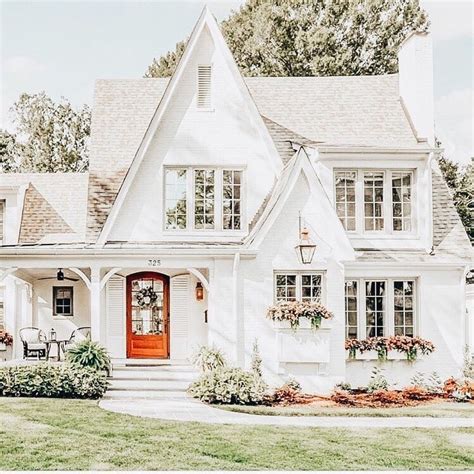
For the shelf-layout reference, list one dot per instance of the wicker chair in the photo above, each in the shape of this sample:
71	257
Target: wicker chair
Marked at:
79	334
34	342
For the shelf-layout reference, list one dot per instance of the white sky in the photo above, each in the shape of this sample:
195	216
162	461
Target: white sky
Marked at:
61	47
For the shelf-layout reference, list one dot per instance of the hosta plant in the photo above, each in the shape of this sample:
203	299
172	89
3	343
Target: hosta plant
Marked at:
90	354
293	311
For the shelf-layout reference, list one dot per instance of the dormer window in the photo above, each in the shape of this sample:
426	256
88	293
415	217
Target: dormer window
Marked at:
204	87
375	201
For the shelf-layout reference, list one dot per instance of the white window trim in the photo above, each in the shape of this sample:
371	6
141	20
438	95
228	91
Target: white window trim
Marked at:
218	201
299	274
387	204
389	324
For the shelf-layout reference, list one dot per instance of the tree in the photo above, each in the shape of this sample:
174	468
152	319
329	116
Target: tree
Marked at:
313	38
461	183
51	137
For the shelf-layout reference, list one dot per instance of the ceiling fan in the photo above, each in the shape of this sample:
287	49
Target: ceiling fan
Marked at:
59	276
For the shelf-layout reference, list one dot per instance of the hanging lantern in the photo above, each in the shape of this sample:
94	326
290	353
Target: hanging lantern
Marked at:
199	291
60	275
305	248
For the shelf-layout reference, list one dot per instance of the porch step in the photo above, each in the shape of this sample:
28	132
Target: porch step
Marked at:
157	381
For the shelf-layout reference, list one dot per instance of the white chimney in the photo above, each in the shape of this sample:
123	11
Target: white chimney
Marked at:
415	65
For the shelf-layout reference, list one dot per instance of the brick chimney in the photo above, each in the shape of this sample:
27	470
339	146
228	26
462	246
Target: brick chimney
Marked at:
415	64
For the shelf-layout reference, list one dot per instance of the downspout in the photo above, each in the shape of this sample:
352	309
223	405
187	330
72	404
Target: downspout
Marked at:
431	157
235	311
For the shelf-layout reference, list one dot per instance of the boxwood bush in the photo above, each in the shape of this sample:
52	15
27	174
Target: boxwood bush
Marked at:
229	385
57	381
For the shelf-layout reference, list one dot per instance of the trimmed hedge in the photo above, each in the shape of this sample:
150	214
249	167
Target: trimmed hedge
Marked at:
55	381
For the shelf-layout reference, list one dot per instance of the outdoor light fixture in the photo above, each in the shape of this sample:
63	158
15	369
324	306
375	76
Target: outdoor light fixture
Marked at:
199	291
60	275
305	248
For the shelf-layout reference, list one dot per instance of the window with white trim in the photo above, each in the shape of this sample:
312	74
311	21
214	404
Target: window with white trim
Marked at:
203	199
380	307
298	286
62	301
374	201
204	80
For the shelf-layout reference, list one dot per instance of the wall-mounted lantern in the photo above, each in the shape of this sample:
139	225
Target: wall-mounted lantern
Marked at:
306	248
199	291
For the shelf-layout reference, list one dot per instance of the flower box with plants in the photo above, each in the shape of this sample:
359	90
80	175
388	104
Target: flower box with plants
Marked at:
6	340
388	348
299	315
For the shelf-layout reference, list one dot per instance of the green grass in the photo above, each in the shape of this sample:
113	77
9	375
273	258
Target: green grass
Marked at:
435	410
51	434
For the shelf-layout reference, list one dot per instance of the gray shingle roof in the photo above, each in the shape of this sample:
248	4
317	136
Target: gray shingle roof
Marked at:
54	208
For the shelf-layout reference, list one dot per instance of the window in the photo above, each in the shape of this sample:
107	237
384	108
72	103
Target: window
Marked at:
375	308
345	198
62	301
373	201
351	308
204	87
403	307
203	199
401	201
231	182
379	307
364	202
175	200
298	287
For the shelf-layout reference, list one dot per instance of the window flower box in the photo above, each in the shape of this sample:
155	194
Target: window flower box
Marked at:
299	314
373	355
304	323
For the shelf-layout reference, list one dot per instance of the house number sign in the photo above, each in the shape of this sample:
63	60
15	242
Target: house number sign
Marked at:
154	262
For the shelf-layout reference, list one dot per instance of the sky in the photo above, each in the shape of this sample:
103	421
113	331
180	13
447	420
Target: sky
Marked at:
62	47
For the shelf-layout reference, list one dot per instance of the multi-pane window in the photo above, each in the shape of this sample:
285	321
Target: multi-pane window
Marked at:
401	201
375	304
380	307
403	307
62	301
351	300
346	198
286	287
373	201
231	189
378	201
298	286
175	200
204	197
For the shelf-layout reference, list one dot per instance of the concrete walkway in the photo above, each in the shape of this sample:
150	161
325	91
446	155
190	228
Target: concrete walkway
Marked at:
188	409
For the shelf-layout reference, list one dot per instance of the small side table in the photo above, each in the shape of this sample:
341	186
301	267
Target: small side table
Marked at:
59	344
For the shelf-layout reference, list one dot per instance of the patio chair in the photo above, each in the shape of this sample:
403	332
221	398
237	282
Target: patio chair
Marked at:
79	334
34	342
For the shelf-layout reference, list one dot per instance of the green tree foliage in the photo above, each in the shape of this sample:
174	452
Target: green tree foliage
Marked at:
51	137
313	38
460	180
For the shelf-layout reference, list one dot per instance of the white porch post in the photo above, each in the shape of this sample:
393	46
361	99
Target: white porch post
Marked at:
95	288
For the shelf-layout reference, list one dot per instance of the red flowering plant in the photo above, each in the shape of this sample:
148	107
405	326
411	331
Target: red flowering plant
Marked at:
293	311
6	338
411	346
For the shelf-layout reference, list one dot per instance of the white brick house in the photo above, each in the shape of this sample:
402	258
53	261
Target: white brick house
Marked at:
199	181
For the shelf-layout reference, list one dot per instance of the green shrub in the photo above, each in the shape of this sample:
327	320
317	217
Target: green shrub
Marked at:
207	359
56	381
256	360
90	354
229	386
377	381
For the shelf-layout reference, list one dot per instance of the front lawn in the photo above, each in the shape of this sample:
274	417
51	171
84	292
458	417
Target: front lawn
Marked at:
435	410
61	434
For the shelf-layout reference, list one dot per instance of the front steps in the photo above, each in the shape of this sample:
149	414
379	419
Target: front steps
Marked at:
150	380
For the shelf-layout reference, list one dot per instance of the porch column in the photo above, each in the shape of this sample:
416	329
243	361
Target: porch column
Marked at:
96	332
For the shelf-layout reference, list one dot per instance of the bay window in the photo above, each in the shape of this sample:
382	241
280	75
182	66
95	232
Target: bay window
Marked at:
379	201
298	286
379	307
203	199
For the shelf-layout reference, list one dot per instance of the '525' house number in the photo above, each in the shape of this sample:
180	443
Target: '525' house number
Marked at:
154	262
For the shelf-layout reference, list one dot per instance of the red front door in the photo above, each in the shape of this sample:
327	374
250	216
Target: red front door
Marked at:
147	315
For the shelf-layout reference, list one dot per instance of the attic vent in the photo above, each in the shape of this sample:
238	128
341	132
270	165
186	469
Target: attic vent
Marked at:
204	87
